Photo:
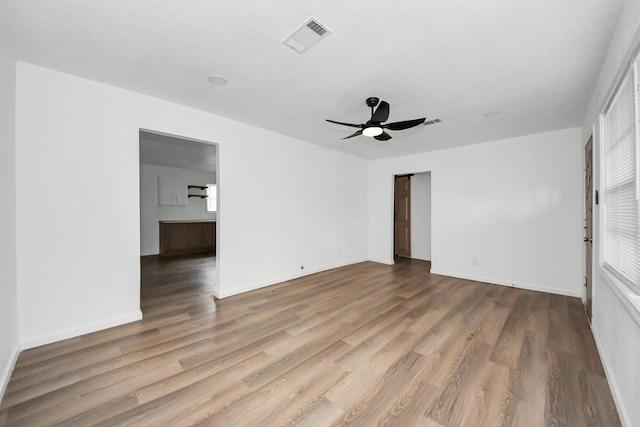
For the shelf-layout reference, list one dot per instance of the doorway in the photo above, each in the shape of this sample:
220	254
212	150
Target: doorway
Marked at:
412	216
402	216
177	175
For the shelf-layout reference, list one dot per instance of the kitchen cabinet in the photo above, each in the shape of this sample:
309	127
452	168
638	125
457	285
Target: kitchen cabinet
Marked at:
187	237
172	191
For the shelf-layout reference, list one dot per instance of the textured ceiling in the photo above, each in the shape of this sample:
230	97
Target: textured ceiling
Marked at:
156	149
534	61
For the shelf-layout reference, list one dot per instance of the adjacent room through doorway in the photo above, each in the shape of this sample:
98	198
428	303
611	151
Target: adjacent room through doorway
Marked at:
178	211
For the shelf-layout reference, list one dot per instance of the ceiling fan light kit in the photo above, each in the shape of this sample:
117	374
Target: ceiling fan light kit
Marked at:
372	131
375	128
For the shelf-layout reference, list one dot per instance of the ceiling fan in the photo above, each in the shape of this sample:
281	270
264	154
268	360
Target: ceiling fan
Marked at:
375	127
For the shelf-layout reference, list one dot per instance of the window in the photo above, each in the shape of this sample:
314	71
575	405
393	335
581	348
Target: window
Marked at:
621	215
212	198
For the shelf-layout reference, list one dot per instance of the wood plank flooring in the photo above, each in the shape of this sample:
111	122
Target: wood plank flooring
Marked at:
364	345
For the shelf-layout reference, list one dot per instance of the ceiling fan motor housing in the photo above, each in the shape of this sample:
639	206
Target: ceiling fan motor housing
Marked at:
372	101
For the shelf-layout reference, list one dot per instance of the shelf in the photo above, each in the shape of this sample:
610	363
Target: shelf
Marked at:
197	187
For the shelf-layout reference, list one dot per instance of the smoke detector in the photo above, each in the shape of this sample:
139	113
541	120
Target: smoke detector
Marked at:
308	34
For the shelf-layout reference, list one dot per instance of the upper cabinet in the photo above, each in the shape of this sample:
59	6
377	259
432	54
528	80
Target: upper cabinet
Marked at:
172	190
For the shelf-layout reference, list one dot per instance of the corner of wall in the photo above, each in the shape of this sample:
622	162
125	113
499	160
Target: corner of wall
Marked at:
9	347
8	369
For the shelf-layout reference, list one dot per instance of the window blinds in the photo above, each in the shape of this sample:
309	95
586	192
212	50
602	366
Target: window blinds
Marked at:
621	208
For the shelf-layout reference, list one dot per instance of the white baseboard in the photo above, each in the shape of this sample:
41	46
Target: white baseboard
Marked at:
235	291
383	261
84	329
8	369
611	380
493	281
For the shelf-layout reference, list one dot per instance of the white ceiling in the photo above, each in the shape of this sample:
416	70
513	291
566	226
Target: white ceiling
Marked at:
534	61
157	149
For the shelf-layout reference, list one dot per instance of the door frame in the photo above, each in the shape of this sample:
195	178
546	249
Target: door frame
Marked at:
395	179
588	225
216	288
392	180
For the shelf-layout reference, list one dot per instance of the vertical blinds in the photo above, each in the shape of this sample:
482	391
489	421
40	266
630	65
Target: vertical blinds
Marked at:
621	209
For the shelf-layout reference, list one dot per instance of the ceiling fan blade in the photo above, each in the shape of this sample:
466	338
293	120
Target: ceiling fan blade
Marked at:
382	112
404	125
383	137
354	134
345	124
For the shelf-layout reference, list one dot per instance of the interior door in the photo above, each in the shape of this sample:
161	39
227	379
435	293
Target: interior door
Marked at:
402	218
588	238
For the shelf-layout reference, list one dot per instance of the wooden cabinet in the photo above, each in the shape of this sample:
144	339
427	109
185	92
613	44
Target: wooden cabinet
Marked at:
172	191
187	237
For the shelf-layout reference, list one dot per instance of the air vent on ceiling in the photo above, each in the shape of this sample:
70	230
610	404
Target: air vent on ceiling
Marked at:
308	34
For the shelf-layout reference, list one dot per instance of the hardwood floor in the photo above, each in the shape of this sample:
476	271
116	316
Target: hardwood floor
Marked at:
367	344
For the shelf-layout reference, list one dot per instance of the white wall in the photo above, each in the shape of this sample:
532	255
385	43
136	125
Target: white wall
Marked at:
151	212
8	273
421	216
616	331
283	203
512	205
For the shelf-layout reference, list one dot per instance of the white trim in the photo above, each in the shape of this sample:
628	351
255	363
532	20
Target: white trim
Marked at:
611	380
383	261
627	296
493	281
85	329
8	369
243	289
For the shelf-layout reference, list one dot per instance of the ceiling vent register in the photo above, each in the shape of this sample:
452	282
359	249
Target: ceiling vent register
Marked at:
308	34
